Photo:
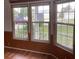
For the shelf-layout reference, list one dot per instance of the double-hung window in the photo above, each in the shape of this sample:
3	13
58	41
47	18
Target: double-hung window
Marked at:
65	24
20	22
40	23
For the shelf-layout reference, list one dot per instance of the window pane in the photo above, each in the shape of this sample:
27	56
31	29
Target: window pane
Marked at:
71	18
70	31
59	17
40	13
46	17
66	7
37	17
35	31
46	9
21	30
65	17
46	13
62	17
72	7
40	9
40	31
59	31
61	34
59	28
20	14
33	9
59	39
59	8
70	43
65	35
64	40
67	14
33	17
64	30
46	30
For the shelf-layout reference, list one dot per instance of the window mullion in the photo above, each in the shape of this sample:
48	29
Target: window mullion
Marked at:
29	22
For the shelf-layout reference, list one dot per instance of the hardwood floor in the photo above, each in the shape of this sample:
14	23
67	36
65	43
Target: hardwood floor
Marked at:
24	55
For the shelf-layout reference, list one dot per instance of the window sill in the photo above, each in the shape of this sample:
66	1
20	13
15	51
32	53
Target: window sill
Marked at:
65	48
20	39
40	41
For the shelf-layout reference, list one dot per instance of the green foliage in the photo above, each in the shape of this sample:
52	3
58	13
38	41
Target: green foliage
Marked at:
15	13
23	12
66	9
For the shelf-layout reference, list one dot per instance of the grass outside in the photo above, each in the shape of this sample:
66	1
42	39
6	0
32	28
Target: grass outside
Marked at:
21	31
40	30
64	35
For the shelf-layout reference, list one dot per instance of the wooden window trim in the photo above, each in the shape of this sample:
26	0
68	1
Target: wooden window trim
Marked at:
63	1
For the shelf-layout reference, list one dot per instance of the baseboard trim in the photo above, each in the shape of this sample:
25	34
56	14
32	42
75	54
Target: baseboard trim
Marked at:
30	51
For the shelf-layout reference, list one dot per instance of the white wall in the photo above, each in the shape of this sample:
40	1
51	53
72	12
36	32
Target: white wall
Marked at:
7	16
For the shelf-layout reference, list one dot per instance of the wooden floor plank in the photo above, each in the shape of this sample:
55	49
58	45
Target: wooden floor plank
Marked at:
24	55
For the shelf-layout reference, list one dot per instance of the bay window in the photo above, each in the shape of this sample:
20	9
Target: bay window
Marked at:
33	22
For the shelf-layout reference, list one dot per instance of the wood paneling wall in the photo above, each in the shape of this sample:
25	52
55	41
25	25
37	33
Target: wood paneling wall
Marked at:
36	46
61	54
7	38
